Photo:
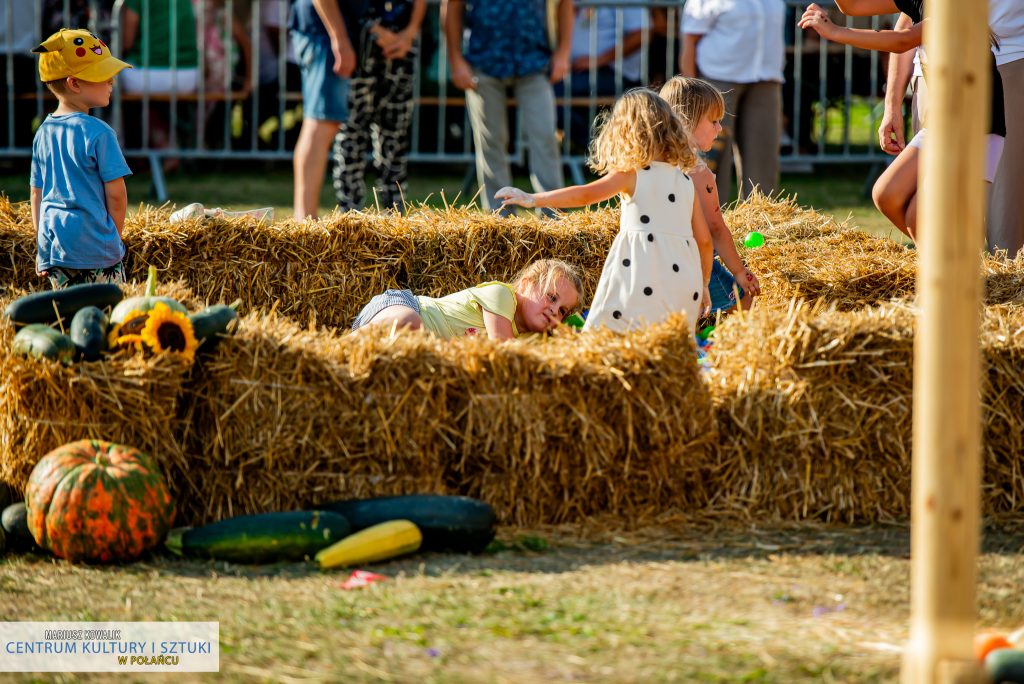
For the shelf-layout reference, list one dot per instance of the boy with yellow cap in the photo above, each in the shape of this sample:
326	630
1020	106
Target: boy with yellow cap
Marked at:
78	193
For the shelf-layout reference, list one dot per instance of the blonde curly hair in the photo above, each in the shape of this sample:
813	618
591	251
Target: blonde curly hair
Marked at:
693	99
544	273
640	128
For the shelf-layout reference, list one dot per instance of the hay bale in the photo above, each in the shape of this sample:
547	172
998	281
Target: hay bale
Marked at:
815	418
545	432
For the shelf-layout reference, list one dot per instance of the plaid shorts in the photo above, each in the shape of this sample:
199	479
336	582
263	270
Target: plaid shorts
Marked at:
383	301
721	286
61	277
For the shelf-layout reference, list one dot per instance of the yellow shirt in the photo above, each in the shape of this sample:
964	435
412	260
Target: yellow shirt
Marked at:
461	313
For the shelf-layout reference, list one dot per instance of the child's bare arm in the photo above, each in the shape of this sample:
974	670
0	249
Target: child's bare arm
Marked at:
866	8
897	40
36	195
498	327
117	202
707	194
603	188
707	255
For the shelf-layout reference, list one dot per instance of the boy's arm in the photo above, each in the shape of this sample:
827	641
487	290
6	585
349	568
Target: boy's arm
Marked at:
896	40
117	202
560	57
891	136
341	46
603	188
36	195
721	237
451	16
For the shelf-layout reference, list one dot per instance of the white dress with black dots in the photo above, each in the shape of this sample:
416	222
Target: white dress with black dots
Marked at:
653	268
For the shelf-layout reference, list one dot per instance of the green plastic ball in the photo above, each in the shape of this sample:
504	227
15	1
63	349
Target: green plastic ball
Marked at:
753	240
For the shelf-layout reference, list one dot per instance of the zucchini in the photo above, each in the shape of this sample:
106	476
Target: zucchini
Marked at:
43	342
49	306
448	523
212	322
89	332
380	542
262	538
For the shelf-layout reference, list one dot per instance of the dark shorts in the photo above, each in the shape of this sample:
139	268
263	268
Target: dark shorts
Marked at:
721	286
61	277
324	93
383	301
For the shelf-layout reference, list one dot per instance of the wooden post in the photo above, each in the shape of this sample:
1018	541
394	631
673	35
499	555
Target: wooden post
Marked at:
947	415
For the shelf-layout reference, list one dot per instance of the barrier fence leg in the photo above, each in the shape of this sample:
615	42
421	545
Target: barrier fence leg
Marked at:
158	187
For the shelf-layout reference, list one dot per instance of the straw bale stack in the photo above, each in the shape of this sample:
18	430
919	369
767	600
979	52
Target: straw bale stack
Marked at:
813	407
815	418
547	431
125	398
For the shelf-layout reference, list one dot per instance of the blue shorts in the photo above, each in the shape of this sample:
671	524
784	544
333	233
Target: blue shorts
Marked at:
324	93
383	301
723	296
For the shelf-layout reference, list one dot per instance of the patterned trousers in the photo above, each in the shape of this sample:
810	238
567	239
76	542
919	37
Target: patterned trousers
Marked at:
380	112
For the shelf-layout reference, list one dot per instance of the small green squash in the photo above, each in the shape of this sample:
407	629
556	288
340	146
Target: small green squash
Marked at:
144	303
43	342
89	332
213	322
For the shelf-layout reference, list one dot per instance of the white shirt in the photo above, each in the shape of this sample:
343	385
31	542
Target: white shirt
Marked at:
742	39
602	21
1006	19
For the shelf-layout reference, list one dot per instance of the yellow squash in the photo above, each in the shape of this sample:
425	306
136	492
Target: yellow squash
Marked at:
377	543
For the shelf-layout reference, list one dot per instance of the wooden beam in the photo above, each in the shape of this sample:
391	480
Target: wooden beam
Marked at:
947	415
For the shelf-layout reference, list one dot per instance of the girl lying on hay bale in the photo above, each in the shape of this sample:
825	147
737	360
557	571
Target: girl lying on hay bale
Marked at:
542	295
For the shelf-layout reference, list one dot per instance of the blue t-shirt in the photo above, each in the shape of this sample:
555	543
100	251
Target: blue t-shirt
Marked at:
73	155
507	38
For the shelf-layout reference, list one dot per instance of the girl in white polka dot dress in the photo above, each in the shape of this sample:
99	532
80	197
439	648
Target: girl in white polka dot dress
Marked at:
661	259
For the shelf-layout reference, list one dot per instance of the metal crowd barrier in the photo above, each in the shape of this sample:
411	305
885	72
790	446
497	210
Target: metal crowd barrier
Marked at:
249	118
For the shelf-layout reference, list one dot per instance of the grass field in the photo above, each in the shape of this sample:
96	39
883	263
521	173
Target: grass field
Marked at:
838	191
692	604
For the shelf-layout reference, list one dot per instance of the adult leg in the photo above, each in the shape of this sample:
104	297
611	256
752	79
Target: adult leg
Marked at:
309	164
352	143
487	106
895	191
537	114
391	147
720	158
759	126
1006	219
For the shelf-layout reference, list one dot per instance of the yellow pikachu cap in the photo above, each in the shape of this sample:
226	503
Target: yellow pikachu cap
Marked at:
78	53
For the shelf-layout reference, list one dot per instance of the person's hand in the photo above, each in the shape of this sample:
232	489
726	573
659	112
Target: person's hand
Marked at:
582	63
344	59
816	18
559	66
515	196
394	45
462	75
705	303
890	132
748	281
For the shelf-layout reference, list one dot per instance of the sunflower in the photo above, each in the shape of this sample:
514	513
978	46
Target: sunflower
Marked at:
169	331
128	333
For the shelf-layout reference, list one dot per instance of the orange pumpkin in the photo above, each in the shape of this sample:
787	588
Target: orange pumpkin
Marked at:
98	502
